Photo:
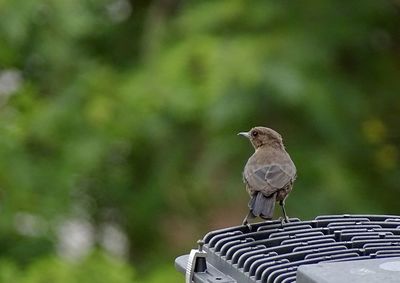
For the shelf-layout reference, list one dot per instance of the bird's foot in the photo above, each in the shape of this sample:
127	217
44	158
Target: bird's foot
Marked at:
246	223
283	220
249	226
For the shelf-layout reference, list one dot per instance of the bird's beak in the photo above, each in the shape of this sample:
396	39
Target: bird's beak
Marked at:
245	134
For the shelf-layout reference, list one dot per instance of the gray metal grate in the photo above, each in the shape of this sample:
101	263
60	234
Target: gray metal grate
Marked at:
272	253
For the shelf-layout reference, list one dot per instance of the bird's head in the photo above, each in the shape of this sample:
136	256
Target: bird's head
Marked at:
260	136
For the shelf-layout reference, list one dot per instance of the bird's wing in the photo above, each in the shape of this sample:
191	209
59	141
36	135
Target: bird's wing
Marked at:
279	175
270	177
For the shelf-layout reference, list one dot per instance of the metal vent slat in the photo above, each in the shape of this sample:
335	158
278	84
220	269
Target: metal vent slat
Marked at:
271	252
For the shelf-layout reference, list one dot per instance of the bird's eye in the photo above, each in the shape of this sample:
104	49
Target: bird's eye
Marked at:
254	133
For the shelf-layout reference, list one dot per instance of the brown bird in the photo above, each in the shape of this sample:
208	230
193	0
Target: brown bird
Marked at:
269	173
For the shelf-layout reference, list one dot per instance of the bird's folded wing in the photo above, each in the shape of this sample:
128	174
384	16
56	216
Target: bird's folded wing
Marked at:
270	177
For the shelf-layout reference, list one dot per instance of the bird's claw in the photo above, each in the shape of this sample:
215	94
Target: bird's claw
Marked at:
283	220
247	224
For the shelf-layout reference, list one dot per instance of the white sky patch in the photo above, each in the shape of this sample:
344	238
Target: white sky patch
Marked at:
114	240
10	82
75	238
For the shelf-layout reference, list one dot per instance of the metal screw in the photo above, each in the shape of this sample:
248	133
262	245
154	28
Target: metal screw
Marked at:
201	244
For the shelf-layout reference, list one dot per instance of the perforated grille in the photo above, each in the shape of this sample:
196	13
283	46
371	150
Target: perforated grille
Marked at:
271	252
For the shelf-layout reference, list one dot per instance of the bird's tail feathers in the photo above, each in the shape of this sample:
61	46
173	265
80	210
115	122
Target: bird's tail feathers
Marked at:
262	206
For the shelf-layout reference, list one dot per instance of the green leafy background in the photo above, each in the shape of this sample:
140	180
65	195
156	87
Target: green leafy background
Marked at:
124	114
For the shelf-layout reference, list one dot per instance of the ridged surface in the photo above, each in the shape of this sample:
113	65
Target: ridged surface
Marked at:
272	253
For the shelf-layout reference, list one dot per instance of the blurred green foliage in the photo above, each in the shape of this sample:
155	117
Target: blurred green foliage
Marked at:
126	113
95	268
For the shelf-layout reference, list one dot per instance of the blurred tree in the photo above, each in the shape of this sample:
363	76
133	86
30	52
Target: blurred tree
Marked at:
125	112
